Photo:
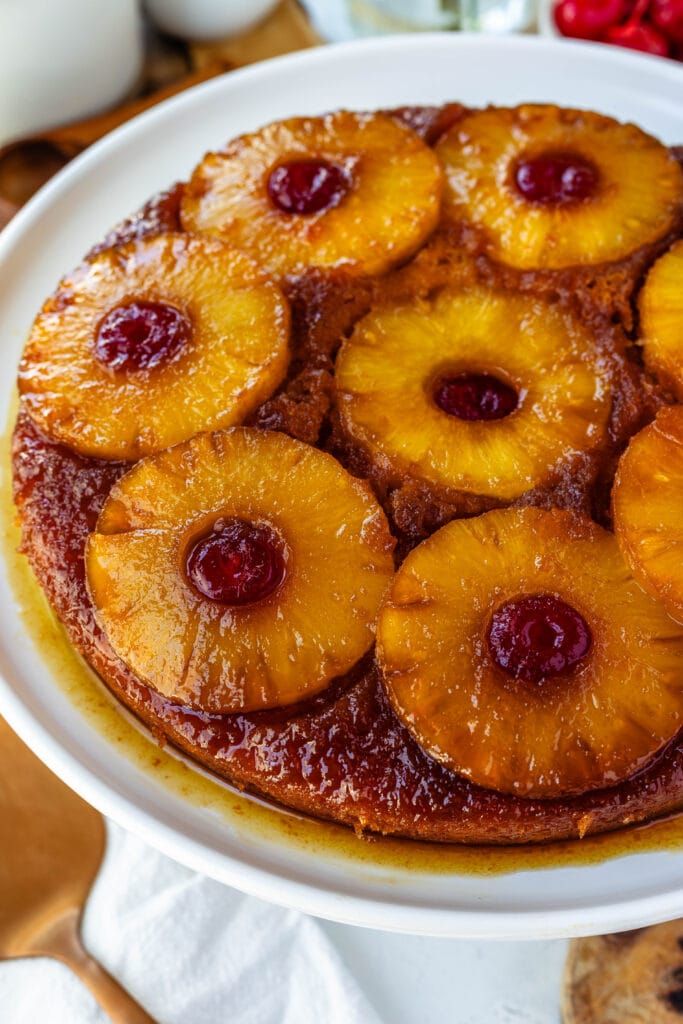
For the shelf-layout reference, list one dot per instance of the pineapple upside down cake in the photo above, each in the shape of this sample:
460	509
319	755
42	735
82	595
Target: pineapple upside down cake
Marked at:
354	467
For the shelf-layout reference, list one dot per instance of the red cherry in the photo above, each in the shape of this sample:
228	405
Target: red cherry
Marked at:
555	179
237	564
537	637
637	11
642	37
476	396
668	17
141	335
307	186
588	19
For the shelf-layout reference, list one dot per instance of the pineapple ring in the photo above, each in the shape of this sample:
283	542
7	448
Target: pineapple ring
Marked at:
392	205
647	500
236	355
586	728
385	376
661	318
636	201
282	648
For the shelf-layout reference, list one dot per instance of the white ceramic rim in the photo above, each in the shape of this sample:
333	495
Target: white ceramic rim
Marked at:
556	902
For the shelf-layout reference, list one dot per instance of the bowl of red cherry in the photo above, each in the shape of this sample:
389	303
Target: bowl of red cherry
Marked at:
650	26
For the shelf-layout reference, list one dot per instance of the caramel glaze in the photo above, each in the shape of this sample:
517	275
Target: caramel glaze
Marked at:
345	755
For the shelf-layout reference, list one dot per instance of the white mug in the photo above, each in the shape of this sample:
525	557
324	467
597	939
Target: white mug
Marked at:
62	60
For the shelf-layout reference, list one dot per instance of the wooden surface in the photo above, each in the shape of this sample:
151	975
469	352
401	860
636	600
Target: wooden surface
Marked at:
52	847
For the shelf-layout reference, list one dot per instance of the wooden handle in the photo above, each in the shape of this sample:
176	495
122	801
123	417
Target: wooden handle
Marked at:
61	939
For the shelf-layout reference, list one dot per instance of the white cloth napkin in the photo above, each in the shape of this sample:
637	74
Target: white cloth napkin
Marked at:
193	951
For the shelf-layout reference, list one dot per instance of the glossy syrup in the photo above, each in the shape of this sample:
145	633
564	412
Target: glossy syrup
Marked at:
254	818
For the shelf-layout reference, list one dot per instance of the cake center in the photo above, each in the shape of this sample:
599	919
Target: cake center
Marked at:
307	186
237	563
538	636
475	396
140	335
555	179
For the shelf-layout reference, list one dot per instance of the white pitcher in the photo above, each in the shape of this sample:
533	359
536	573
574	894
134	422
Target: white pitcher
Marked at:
62	60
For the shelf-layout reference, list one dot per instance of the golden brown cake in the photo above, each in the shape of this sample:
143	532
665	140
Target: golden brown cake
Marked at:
315	461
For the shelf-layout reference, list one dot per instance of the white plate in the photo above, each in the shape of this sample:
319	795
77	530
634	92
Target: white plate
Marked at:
49	237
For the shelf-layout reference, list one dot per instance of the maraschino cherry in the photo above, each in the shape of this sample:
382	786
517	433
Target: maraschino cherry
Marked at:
307	186
238	563
638	36
667	15
588	19
650	26
538	636
555	179
140	335
475	396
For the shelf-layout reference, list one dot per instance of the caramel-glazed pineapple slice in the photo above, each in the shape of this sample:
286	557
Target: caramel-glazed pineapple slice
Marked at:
357	191
151	343
661	319
474	391
239	570
555	188
647	500
521	653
